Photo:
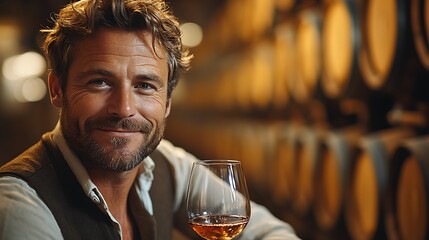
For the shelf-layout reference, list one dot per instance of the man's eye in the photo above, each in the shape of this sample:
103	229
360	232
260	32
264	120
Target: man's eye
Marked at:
98	82
144	86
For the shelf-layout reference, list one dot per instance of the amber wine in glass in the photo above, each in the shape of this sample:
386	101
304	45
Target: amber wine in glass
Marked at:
217	199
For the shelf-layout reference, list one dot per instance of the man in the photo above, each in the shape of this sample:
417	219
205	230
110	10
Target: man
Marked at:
104	172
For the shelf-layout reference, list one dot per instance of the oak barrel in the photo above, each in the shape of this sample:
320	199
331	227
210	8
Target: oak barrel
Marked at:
256	143
284	184
420	27
386	46
307	154
407	209
284	65
341	42
306	83
262	74
367	185
338	146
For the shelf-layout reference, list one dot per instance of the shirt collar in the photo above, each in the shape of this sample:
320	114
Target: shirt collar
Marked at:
73	161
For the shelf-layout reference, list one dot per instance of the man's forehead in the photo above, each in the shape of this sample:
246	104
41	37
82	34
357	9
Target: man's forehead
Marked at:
123	39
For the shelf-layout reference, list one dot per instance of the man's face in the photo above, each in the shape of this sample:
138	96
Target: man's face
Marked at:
115	104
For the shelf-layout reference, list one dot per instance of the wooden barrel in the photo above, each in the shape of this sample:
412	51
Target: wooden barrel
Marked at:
306	83
341	42
338	146
386	43
256	152
262	75
252	86
420	27
367	185
407	210
307	154
284	65
283	186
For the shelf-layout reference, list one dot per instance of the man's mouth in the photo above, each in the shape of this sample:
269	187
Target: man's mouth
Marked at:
118	132
122	127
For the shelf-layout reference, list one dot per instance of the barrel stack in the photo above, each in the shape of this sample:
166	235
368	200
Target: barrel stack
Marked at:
326	104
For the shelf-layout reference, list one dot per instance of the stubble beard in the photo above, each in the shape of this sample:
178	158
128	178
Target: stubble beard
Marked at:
116	158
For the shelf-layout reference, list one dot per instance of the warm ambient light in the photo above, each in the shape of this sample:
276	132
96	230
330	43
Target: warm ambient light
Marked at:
33	90
25	65
22	77
192	34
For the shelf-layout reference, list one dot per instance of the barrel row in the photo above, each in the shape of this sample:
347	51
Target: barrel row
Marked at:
333	49
375	184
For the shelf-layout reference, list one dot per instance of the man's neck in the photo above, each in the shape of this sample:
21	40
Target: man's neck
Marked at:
115	187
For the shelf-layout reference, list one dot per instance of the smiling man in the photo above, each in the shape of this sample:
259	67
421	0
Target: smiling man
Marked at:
104	172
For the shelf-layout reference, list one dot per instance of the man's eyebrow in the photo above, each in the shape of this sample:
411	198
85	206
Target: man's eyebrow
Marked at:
95	71
150	77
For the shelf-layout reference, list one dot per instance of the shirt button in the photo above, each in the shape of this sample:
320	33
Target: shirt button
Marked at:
95	199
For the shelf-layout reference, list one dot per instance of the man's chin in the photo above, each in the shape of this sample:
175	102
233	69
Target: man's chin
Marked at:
117	161
121	151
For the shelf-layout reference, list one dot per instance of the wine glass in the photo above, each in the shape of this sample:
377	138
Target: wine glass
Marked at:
217	199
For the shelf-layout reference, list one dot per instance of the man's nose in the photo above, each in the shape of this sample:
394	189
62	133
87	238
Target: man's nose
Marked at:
122	103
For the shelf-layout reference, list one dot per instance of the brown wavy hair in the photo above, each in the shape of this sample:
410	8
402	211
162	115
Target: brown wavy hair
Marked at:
80	20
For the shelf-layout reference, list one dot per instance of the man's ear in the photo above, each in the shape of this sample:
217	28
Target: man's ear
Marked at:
167	110
55	91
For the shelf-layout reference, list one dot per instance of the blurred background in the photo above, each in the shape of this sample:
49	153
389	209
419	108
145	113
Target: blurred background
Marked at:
324	101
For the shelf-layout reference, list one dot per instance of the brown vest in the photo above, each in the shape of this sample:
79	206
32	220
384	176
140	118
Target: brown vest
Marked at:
43	167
